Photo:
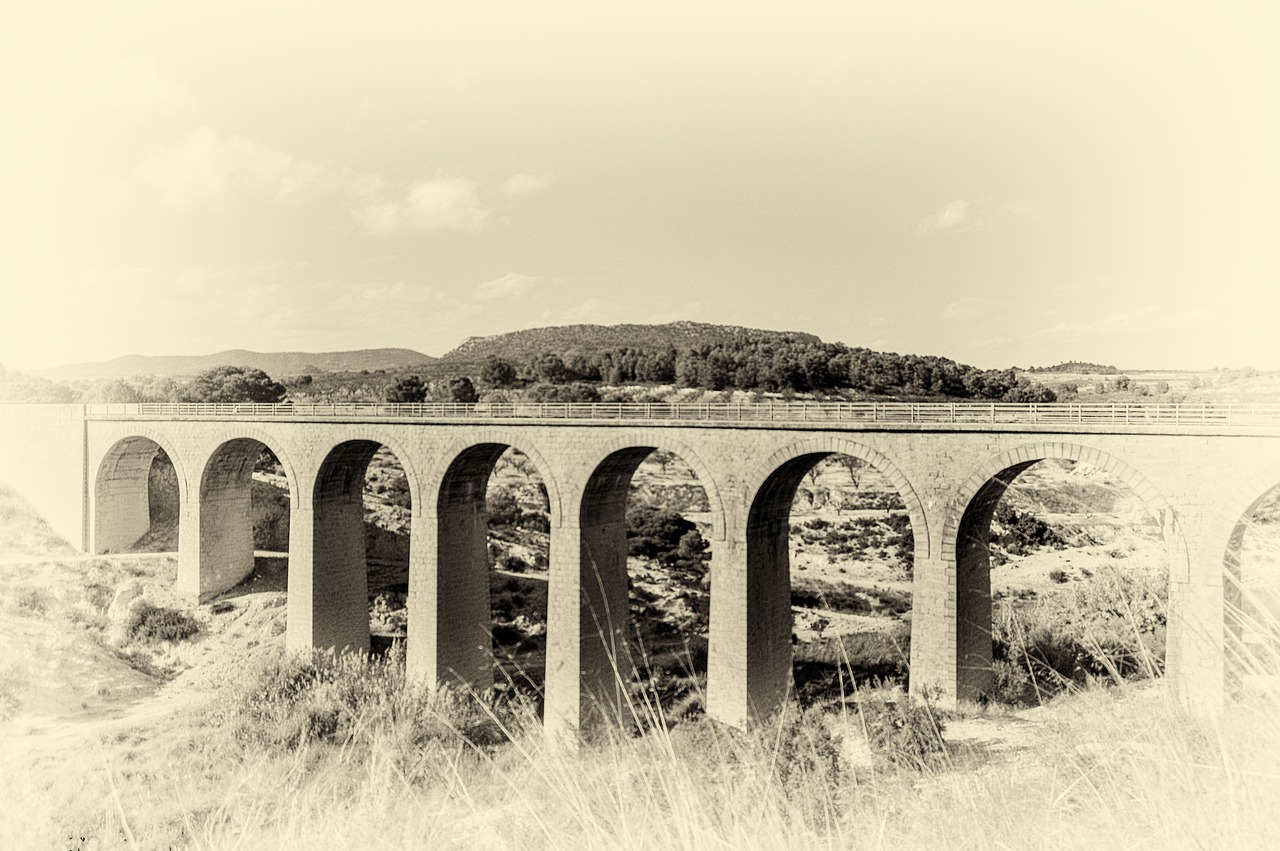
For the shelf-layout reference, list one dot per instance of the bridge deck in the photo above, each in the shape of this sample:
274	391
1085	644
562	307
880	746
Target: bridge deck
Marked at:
1172	417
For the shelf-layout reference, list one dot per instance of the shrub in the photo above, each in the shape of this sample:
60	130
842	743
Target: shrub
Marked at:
398	491
150	623
903	731
828	668
666	537
32	601
1059	576
578	391
292	701
1018	532
1111	627
803	749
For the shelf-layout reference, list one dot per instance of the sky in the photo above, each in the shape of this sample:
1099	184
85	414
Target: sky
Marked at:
1004	184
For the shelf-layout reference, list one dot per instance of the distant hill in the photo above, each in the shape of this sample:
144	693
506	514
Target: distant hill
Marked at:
275	364
520	346
1078	368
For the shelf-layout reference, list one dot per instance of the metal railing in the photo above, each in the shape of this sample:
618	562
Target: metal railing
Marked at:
762	412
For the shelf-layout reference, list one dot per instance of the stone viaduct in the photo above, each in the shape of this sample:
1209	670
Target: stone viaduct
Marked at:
1200	471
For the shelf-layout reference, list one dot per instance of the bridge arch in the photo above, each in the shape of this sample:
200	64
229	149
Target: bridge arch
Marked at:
594	675
764	624
329	591
362	434
249	433
621	455
225	542
121	505
965	556
450	604
792	461
436	476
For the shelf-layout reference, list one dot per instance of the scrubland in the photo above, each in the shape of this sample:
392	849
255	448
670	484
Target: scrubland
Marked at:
132	719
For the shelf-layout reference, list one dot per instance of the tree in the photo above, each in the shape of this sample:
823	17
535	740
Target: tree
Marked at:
1027	391
408	389
497	372
234	384
578	391
460	390
666	537
550	368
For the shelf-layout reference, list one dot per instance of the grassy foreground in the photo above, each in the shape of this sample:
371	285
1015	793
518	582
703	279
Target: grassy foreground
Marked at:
313	754
249	748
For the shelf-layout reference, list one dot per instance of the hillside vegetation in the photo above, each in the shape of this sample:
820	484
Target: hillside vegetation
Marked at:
678	361
522	346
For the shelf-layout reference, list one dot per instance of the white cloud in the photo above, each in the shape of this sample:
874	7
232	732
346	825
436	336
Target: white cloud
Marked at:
446	202
958	215
135	83
204	168
527	184
510	284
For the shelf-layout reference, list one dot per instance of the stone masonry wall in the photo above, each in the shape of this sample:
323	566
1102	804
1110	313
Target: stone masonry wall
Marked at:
1197	483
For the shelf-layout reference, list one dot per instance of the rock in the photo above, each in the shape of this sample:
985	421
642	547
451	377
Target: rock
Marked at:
123	600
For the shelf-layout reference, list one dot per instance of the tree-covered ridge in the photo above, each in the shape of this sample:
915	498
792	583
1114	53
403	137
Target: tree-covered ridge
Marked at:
1078	368
520	346
781	364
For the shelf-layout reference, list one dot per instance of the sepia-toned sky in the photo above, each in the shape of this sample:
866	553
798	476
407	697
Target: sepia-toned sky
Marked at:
1001	183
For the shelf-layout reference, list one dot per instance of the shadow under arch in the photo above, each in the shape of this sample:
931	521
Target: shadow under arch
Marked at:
225	542
329	598
121	489
771	491
458	456
453	605
965	539
617	461
604	664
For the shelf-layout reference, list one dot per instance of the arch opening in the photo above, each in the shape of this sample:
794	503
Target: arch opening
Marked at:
852	555
646	524
493	552
1062	576
830	559
1251	593
136	499
245	500
361	534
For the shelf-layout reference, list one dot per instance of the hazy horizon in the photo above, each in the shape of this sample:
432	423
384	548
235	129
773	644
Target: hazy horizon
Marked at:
1001	184
436	355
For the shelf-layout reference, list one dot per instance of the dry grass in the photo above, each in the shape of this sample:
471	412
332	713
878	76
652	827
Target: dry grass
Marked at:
347	755
1103	768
